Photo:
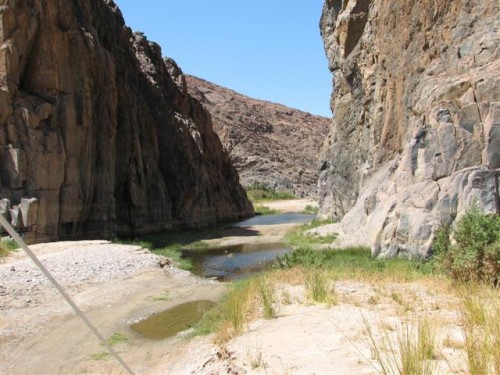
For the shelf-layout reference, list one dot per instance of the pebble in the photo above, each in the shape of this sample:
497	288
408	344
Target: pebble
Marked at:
92	264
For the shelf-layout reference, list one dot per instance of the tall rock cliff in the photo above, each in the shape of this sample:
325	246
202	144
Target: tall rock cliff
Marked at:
268	142
415	136
95	136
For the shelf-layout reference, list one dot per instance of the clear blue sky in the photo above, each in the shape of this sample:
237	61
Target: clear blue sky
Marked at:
266	49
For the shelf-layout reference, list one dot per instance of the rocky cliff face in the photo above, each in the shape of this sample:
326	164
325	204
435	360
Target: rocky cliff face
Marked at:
268	143
95	136
416	129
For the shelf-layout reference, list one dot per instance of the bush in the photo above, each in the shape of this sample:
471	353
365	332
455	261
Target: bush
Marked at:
258	192
264	210
475	253
6	246
310	210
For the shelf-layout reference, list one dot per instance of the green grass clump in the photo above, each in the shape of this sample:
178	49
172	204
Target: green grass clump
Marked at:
6	246
116	338
100	356
310	210
481	327
174	252
260	192
228	317
318	286
475	254
267	297
165	296
264	210
410	351
297	238
245	300
355	263
170	245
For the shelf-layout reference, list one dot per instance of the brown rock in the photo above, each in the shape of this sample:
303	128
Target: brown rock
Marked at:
93	127
268	143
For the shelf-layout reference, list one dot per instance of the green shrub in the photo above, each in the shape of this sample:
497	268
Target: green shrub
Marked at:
6	246
264	210
260	192
168	248
310	210
355	262
475	253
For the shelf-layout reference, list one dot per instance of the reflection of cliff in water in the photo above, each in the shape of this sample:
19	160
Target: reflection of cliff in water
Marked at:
234	262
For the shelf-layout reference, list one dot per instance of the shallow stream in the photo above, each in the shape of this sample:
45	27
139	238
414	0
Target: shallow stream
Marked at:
225	263
172	321
234	262
238	261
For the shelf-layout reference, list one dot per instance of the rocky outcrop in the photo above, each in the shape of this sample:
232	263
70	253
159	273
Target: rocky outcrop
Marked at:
415	136
268	143
95	137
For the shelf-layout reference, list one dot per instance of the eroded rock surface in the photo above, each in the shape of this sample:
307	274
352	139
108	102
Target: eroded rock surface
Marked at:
95	136
268	142
415	134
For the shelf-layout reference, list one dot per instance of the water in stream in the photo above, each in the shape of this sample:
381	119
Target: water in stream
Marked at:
234	262
172	321
286	218
224	263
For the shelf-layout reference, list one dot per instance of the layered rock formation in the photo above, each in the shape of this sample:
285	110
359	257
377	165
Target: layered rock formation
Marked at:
268	143
95	136
416	129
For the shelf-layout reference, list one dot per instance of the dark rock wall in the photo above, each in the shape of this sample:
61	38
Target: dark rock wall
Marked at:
415	136
95	137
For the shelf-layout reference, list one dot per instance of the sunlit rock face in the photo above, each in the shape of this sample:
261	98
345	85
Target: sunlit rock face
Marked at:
268	142
415	136
96	139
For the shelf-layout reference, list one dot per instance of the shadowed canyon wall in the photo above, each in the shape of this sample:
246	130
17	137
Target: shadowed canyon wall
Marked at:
415	136
95	136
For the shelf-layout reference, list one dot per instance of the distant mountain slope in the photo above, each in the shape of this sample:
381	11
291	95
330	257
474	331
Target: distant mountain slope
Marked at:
268	142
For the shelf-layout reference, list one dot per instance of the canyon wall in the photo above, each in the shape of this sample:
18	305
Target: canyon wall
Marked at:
268	142
96	138
415	136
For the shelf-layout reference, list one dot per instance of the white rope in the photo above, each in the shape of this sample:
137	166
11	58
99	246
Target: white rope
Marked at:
77	310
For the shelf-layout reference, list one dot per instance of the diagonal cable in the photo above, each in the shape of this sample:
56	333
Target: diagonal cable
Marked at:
59	288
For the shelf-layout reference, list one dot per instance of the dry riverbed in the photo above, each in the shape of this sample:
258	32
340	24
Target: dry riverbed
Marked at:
117	285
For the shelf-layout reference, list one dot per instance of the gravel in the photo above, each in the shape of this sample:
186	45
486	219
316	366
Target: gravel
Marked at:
83	262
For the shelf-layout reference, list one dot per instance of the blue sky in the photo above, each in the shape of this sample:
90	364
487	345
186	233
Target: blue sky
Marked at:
266	49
